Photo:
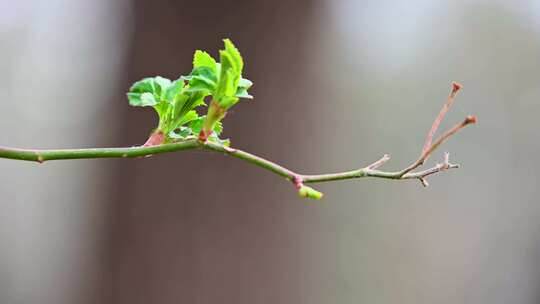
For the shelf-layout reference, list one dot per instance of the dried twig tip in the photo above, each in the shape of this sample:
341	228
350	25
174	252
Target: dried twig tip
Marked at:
456	87
471	119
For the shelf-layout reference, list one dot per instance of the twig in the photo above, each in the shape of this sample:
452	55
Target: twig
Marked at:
379	163
428	146
455	89
297	179
420	161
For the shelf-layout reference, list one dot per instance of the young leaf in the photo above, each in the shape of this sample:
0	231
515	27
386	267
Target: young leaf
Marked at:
243	93
231	86
160	87
203	59
243	86
147	99
188	117
226	88
196	126
187	102
175	101
173	90
202	79
245	83
148	91
218	128
229	101
236	59
137	100
180	133
144	86
224	142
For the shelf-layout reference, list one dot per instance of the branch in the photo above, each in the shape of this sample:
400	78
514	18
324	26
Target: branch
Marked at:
298	180
428	146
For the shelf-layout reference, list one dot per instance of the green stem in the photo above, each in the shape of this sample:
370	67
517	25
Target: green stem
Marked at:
141	151
215	114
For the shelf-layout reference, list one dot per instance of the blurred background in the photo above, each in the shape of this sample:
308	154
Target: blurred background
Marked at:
337	84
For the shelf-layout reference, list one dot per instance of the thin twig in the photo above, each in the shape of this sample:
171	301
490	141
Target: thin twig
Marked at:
297	179
451	97
380	162
429	147
420	161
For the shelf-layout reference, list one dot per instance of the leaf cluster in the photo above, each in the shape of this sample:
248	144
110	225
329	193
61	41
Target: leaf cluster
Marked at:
177	102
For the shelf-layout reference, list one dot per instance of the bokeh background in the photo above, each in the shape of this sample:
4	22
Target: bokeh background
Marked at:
337	84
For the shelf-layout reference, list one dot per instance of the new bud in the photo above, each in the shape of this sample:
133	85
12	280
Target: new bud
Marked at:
309	192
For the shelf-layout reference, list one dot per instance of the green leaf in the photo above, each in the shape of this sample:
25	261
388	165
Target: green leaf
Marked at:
196	126
183	112
176	101
203	59
224	142
236	59
134	99
147	99
141	100
243	93
160	87
140	91
226	87
227	102
231	86
245	83
218	128
192	125
192	101
145	85
179	101
230	74
173	90
180	133
202	79
188	117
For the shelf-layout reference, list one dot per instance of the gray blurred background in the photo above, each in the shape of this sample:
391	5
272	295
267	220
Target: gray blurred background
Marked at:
337	84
